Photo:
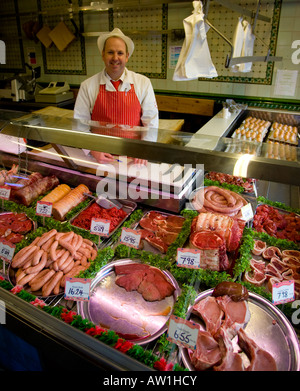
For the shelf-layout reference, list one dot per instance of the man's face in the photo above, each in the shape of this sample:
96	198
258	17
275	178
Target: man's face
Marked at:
115	57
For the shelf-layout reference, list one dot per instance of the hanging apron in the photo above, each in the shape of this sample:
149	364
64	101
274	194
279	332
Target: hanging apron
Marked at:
118	108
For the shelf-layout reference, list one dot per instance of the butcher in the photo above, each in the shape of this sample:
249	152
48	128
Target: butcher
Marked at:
117	95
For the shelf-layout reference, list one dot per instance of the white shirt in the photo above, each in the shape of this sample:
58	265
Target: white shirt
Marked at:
89	90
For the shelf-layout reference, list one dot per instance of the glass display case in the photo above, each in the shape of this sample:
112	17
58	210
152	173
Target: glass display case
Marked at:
174	166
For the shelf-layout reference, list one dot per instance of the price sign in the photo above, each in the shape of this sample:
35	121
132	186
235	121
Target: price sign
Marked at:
4	192
247	212
183	332
283	292
43	208
77	289
189	258
130	237
7	250
100	226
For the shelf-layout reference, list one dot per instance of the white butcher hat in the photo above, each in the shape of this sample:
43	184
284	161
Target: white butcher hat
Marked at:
115	33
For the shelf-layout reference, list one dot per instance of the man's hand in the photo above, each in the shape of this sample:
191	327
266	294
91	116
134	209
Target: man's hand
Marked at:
102	157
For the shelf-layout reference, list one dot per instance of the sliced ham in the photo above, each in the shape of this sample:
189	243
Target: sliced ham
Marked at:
260	359
207	352
212	315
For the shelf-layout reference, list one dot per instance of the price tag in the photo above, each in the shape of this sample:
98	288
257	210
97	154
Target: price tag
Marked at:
283	292
130	237
77	289
247	212
7	250
183	332
188	257
100	226
43	208
4	192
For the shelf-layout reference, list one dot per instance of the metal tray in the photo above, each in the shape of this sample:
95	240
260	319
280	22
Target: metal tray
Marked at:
127	306
268	327
34	224
11	276
128	207
281	211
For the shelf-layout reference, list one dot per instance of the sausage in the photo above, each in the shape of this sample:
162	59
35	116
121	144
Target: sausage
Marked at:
19	275
61	260
49	286
40	266
236	291
46	236
28	277
42	280
53	248
37	256
227	194
39	275
68	246
19	261
73	272
46	246
68	265
67	236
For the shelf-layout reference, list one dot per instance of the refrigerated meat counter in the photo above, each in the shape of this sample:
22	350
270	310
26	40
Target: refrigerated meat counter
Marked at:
68	140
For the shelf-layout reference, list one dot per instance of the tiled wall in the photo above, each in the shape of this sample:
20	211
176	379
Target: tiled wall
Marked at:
289	31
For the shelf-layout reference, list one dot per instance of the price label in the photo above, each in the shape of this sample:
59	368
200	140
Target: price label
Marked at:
4	192
77	289
130	237
100	226
283	292
189	258
43	208
183	332
247	212
7	250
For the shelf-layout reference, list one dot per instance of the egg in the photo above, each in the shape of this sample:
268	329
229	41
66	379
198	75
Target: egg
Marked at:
259	138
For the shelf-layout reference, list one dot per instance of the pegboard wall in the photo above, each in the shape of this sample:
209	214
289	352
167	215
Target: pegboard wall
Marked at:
225	20
10	34
150	53
70	61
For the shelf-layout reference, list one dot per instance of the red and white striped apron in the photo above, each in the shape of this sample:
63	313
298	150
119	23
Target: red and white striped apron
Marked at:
118	108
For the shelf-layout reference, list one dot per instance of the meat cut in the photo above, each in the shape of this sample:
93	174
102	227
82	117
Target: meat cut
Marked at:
231	230
149	281
224	322
207	352
281	225
13	226
211	313
160	230
260	359
212	248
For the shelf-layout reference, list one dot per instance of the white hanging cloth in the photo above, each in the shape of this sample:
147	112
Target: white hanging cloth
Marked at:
243	44
194	60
